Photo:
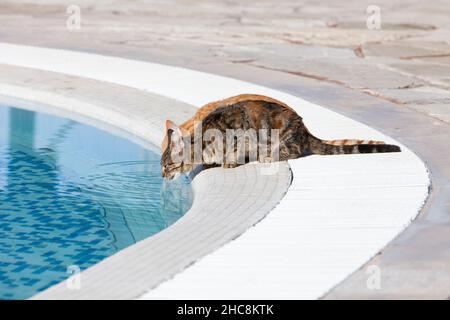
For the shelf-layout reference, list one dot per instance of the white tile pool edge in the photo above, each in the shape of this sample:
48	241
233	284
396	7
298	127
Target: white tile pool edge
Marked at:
136	269
284	272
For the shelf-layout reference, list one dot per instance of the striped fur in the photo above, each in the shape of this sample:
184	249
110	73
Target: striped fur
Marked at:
260	113
347	142
188	126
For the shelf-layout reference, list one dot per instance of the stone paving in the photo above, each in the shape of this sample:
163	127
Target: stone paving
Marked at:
395	79
406	61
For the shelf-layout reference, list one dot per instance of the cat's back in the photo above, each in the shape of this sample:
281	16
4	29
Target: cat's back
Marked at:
242	99
250	114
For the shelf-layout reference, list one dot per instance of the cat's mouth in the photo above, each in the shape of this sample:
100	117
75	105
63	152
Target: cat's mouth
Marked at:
171	171
173	175
170	174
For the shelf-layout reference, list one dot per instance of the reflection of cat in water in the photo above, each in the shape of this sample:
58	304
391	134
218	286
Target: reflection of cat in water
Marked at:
173	199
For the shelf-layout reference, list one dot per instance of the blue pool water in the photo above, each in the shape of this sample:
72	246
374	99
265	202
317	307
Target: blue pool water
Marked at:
72	195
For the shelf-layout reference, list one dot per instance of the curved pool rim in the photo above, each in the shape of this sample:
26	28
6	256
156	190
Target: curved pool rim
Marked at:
197	88
220	226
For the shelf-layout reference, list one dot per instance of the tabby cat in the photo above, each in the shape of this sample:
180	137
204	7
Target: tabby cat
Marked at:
244	113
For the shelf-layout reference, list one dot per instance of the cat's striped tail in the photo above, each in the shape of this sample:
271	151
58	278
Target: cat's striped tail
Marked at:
347	142
323	147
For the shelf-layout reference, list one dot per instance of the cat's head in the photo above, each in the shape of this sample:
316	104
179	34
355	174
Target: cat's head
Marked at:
172	161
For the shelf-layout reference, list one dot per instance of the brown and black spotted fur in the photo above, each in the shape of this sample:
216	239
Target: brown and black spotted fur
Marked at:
254	112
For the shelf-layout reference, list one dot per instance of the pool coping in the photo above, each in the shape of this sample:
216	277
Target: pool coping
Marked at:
204	213
197	95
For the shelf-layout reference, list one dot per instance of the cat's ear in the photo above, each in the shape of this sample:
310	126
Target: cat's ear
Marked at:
175	135
170	125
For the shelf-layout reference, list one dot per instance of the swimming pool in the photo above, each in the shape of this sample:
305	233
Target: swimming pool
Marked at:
71	195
